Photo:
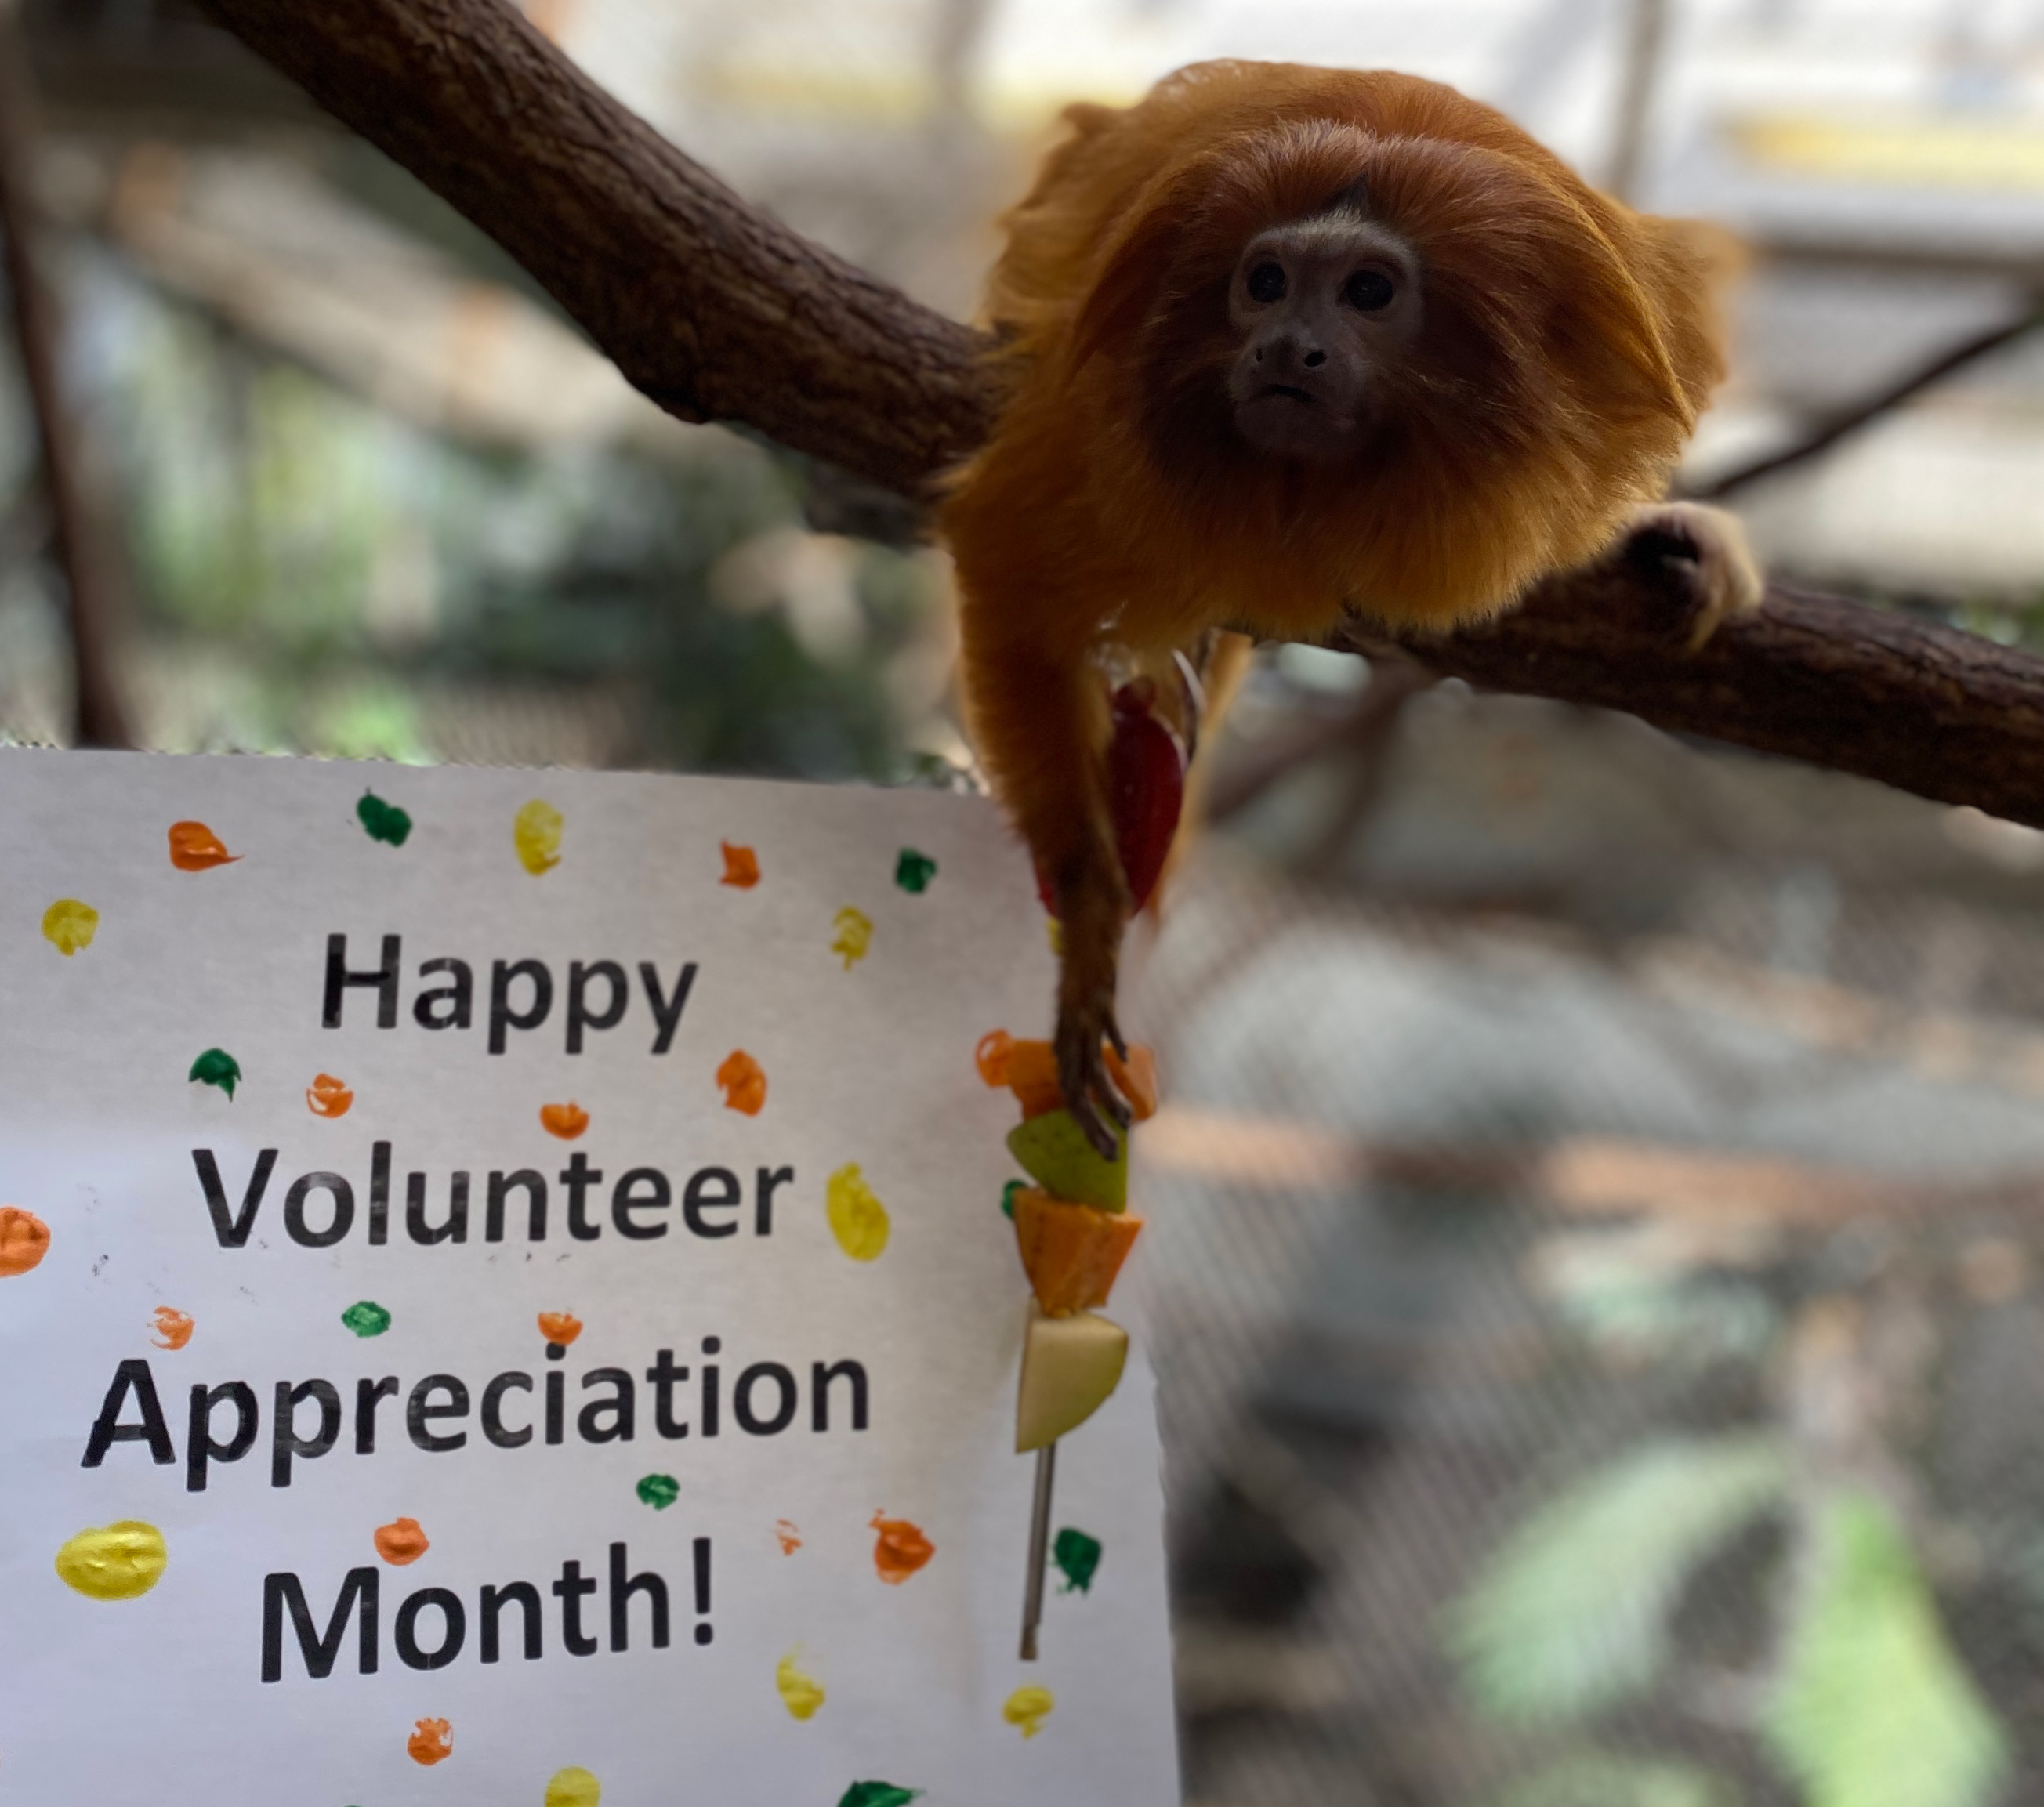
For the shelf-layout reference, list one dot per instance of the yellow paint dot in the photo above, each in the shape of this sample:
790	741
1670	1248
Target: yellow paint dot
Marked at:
801	1694
858	1219
114	1561
1028	1707
854	935
69	925
536	834
574	1788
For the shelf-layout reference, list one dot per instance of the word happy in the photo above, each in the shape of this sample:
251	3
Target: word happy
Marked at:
595	995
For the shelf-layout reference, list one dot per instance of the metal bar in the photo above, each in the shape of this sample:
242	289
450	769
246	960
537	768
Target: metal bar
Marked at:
1039	1549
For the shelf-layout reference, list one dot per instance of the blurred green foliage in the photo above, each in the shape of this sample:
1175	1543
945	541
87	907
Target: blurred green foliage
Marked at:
300	532
1571	1615
1871	1708
1864	1703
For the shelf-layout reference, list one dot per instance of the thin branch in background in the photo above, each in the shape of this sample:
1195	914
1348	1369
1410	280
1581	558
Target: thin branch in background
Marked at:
102	719
1863	413
1360	732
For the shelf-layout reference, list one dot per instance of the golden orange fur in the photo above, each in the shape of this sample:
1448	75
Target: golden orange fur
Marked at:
1566	346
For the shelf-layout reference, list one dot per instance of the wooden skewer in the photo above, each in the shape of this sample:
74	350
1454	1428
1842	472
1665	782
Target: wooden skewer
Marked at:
1039	1549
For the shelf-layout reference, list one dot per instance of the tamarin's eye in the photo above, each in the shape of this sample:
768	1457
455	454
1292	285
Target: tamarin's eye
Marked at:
1266	283
1368	290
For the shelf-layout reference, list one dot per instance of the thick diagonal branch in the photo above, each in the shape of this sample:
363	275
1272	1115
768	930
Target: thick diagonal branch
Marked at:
712	309
718	312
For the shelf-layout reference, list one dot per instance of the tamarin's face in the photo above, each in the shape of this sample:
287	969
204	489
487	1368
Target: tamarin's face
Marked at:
1324	310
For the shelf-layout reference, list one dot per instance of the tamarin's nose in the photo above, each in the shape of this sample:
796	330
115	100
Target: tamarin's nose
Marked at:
1290	351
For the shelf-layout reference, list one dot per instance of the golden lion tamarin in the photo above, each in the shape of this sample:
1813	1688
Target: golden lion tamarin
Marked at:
1281	343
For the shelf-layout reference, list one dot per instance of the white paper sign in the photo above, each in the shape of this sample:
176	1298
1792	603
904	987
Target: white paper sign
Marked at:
437	1280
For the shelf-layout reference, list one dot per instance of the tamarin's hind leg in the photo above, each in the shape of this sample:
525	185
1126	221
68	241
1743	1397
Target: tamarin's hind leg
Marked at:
1040	718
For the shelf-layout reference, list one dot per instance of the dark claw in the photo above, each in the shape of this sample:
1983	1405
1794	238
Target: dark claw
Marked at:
1082	1077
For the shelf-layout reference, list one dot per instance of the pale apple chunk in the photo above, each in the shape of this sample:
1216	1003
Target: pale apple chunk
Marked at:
1070	1367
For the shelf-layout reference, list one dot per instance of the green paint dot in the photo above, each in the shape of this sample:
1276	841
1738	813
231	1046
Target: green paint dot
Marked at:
216	1067
1008	1196
877	1794
384	821
1076	1556
367	1319
659	1491
913	871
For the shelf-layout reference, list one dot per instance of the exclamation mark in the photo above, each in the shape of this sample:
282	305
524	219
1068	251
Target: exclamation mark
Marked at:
704	1631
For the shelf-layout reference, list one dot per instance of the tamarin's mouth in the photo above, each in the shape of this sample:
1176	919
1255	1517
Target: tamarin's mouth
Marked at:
1287	390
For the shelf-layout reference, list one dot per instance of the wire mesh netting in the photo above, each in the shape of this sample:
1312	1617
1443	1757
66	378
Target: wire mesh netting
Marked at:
1595	1374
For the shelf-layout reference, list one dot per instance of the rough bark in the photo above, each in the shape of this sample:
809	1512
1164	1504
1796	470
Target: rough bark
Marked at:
717	311
1948	715
710	306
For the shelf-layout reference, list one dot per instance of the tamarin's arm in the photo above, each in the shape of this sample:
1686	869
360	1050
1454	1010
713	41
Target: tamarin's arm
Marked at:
1039	714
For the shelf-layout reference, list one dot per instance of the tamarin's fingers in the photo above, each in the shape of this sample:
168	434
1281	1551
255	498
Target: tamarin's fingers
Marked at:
1083	1079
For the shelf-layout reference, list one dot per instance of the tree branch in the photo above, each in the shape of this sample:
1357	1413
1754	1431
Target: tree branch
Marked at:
717	311
1949	716
709	306
1865	412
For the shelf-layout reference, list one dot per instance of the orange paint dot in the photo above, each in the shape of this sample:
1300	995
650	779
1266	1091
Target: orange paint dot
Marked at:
195	847
327	1096
741	866
566	1121
991	1057
900	1549
25	1240
743	1081
561	1327
401	1541
789	1535
173	1327
432	1742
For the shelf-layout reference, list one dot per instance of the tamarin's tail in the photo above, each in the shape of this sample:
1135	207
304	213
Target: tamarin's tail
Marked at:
1218	665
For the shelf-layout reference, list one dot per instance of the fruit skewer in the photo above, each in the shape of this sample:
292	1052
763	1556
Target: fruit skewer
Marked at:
1073	1230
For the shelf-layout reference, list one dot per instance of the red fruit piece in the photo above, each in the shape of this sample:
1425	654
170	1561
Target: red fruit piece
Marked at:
1145	788
1145	775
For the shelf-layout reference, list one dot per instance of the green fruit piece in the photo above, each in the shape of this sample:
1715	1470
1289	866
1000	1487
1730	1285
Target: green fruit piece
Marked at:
913	871
1055	1152
877	1794
659	1491
367	1319
1076	1556
216	1067
1070	1367
384	821
1008	1198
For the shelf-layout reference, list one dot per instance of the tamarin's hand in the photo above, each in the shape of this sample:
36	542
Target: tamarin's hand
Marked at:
1709	547
1281	341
